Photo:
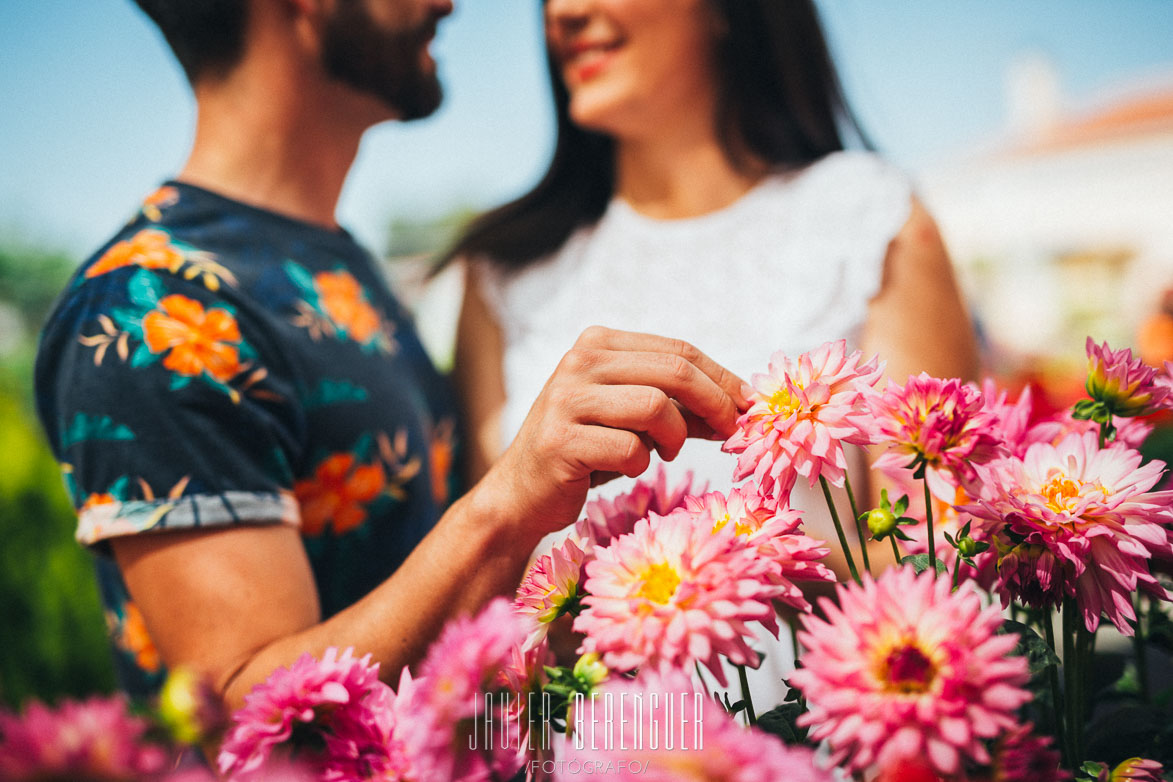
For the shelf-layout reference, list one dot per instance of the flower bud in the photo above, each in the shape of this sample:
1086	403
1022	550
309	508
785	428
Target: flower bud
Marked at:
590	670
188	707
881	521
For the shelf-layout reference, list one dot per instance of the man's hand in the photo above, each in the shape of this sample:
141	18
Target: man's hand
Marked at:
614	398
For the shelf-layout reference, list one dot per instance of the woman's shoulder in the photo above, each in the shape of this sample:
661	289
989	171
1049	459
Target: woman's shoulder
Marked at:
859	171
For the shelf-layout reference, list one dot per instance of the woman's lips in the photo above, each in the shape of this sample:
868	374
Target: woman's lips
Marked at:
584	61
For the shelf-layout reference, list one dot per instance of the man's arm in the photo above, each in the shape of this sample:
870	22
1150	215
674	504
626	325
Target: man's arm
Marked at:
236	603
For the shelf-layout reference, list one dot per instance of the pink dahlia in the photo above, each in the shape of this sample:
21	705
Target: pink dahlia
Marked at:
1122	385
773	531
673	591
552	587
606	519
659	728
367	744
904	668
1076	520
802	412
460	691
1135	770
295	708
96	738
940	426
1021	755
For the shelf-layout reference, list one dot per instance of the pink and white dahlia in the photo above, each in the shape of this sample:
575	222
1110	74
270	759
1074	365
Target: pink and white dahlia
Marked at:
295	708
905	668
675	592
801	413
459	679
96	738
1134	770
605	519
773	531
664	730
1123	385
1076	520
942	426
552	587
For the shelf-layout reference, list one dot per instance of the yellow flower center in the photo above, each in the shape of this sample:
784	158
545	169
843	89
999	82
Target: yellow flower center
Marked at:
907	670
1060	491
659	583
782	402
740	528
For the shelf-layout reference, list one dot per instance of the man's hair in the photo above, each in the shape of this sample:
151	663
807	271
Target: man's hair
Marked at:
206	36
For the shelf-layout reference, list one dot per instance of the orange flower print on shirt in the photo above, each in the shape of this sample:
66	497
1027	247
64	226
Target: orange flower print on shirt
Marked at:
199	340
132	637
150	249
345	303
337	493
156	202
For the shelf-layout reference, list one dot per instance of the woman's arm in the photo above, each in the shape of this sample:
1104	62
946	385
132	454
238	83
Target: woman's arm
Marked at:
918	321
480	378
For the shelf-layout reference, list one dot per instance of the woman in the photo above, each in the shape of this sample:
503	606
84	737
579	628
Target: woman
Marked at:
699	187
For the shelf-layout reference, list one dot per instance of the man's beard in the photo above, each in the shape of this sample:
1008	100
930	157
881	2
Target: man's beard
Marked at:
382	63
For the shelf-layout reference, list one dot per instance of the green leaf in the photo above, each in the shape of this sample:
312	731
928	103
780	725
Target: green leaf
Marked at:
145	290
333	392
302	279
781	721
179	381
901	505
1031	645
920	563
91	427
142	356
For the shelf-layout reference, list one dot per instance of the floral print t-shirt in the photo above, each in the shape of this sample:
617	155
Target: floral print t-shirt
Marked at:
218	364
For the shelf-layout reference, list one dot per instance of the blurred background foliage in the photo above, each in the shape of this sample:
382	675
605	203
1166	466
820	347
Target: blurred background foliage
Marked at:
53	640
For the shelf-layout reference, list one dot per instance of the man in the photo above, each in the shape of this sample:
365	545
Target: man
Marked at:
254	438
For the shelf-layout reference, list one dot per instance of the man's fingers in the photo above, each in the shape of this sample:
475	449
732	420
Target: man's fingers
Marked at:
637	408
670	373
601	450
599	337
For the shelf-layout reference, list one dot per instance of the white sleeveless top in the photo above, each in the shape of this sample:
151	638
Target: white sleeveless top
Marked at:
788	266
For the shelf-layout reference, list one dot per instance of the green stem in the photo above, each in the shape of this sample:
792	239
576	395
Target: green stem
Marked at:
1070	676
863	541
1056	696
929	527
1142	666
839	530
794	638
745	696
957	572
895	548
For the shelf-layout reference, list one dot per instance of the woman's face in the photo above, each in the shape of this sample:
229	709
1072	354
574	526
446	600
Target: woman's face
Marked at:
632	65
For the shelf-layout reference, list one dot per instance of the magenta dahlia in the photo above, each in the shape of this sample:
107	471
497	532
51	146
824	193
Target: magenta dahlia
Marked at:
1122	385
801	413
460	687
1021	755
905	668
295	707
941	426
1076	520
674	591
97	738
1135	770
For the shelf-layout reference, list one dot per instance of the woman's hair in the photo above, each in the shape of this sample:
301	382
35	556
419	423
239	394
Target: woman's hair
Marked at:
779	102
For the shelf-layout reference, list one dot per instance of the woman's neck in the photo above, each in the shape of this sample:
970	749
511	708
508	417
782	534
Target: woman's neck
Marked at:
679	178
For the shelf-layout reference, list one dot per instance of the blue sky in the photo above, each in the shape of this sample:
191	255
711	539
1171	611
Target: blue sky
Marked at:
93	113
